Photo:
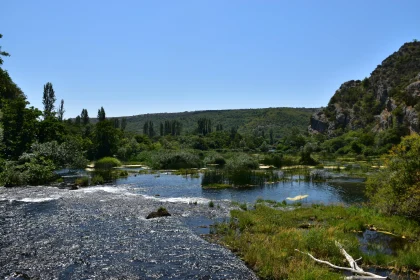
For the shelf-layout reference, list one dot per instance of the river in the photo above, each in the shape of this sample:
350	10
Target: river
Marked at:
101	232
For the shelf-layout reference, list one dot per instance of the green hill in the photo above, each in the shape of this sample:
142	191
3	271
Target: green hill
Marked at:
247	121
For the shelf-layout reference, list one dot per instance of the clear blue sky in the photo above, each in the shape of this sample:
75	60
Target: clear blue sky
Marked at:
135	57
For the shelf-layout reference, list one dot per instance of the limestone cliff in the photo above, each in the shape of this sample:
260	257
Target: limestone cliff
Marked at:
389	97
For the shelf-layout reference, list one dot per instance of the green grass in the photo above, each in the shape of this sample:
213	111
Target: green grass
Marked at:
266	238
107	163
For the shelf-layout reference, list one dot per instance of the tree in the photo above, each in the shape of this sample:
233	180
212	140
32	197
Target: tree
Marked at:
84	116
123	123
61	111
2	53
77	120
116	123
20	127
101	114
148	129
204	126
396	189
105	139
48	100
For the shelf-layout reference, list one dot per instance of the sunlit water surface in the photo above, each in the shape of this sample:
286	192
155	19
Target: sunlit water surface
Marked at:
101	232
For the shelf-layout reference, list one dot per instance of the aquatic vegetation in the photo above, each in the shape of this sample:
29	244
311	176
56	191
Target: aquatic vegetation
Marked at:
107	163
175	160
211	204
266	239
82	181
238	178
97	180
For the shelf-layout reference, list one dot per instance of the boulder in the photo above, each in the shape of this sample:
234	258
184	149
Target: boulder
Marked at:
161	212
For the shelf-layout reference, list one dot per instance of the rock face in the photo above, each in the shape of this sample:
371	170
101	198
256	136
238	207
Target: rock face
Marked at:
161	212
389	97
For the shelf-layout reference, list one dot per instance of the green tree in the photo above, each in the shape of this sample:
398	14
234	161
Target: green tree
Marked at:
105	139
101	114
2	53
61	111
20	127
396	189
123	123
48	99
84	116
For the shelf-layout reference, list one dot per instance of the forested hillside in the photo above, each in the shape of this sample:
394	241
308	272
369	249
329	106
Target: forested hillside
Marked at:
246	121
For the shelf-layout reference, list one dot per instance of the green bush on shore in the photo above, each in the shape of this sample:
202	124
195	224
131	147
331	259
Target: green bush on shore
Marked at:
107	163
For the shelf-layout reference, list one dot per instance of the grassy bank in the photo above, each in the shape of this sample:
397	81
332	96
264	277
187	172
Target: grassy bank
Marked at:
266	239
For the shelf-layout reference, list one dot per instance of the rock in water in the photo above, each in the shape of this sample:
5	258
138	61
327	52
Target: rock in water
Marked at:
161	212
18	276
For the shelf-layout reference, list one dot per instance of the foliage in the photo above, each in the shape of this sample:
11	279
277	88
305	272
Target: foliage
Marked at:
396	190
107	163
175	160
20	127
101	114
61	111
48	99
82	181
27	171
105	139
97	180
241	161
266	239
84	116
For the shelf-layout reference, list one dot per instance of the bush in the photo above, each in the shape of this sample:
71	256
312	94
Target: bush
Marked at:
30	171
395	190
107	163
242	161
82	181
175	160
97	180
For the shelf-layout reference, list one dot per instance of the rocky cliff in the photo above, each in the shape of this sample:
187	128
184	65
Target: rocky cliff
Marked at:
389	98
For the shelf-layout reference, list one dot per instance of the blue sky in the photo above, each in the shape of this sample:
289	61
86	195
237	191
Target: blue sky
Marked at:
135	57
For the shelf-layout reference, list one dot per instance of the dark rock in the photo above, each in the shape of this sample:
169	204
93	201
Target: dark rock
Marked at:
161	212
18	276
73	188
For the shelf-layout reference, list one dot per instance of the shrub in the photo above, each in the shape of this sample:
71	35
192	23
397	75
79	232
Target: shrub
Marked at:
242	161
82	181
107	163
395	190
97	180
175	160
211	204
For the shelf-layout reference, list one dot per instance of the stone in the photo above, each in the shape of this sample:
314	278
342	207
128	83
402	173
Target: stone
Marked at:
161	212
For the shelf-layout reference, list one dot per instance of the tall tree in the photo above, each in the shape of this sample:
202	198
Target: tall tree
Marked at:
116	123
20	126
123	123
101	114
61	111
48	100
2	53
84	116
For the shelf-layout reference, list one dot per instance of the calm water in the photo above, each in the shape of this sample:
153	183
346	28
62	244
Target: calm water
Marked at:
101	233
178	188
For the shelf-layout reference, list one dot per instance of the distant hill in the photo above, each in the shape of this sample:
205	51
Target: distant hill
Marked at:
389	98
248	121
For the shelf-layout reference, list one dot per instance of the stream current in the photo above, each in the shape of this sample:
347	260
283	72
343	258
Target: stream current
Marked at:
101	232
